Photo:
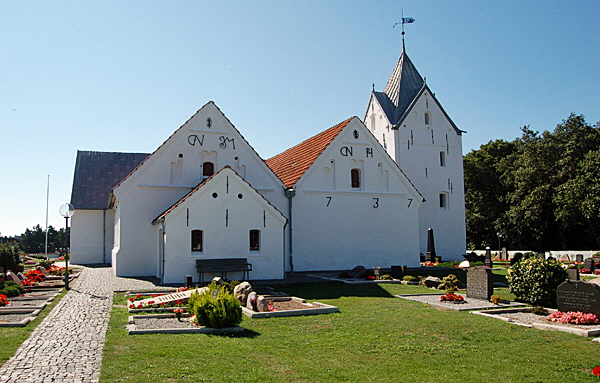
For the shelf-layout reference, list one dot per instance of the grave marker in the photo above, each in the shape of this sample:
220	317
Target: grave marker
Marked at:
578	257
589	264
169	298
488	257
480	282
578	296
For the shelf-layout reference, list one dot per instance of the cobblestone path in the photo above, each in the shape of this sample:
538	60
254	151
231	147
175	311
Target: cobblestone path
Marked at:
67	345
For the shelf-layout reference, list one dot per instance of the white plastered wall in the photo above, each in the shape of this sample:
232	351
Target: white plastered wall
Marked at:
87	236
155	185
337	228
225	209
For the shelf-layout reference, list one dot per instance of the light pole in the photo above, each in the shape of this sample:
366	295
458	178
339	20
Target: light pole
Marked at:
67	210
499	234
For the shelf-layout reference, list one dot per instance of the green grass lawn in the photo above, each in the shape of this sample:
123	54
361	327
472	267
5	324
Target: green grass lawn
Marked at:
376	337
12	337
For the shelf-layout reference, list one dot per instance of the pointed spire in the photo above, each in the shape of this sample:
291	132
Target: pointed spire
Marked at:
402	86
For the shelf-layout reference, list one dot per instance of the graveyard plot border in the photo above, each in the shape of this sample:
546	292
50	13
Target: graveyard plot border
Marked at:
469	305
132	328
28	316
594	330
314	308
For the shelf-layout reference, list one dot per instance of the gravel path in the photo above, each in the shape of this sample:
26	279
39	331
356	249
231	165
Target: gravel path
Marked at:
67	345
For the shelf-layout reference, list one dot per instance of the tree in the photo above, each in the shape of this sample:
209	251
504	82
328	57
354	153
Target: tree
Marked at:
541	191
34	240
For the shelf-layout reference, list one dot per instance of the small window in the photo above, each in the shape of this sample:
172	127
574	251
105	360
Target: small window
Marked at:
197	240
208	168
442	158
355	178
427	118
443	201
254	240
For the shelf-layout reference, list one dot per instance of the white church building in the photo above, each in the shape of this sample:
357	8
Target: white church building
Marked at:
342	198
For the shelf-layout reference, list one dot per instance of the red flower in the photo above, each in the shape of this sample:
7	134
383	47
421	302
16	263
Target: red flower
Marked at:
596	371
131	299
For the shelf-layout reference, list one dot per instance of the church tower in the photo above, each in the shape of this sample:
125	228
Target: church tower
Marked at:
418	134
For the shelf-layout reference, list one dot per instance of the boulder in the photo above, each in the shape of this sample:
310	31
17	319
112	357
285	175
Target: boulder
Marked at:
241	292
251	302
432	282
261	304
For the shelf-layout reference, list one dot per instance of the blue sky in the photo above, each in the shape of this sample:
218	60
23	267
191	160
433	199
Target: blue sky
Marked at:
122	76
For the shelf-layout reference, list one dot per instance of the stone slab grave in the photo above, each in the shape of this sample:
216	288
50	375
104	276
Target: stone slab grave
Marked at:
468	304
578	257
168	324
578	296
519	316
589	264
17	317
167	298
480	282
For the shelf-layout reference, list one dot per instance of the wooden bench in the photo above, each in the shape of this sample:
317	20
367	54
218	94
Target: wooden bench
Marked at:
223	266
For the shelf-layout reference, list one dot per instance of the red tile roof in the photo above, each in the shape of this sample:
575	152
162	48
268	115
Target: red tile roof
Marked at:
290	165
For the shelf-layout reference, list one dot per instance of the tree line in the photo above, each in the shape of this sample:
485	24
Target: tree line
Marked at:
33	241
540	191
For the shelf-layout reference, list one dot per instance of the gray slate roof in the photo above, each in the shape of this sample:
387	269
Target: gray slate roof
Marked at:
96	173
401	89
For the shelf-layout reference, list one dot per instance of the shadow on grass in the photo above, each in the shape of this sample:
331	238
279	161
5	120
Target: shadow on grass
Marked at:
333	290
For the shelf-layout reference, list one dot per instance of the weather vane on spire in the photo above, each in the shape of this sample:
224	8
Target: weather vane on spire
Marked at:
405	20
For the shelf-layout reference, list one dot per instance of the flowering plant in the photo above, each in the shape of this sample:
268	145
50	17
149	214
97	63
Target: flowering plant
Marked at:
371	278
429	264
34	276
3	300
182	289
596	371
152	304
585	271
178	311
573	317
452	297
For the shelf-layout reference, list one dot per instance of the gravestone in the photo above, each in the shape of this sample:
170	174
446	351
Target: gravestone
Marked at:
188	281
565	258
377	272
358	272
13	277
488	257
2	280
578	296
480	282
21	276
578	257
430	246
504	255
169	298
589	264
573	274
398	272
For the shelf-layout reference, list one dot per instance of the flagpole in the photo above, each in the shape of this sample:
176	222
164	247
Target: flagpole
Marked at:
47	201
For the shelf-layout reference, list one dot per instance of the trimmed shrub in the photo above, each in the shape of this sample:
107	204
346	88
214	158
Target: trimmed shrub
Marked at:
450	281
216	308
46	263
11	289
410	278
535	280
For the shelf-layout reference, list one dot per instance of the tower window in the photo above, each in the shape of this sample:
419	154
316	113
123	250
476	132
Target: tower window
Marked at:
197	240
427	118
355	178
444	201
442	158
254	240
208	168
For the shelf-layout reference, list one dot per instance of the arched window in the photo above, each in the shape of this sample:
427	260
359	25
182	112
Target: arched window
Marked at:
197	240
442	158
427	118
355	178
208	168
254	240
